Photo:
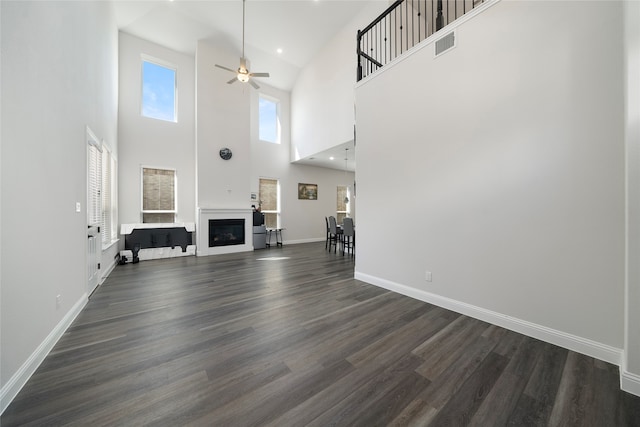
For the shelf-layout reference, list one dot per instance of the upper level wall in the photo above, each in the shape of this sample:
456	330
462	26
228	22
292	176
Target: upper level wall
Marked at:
506	159
322	100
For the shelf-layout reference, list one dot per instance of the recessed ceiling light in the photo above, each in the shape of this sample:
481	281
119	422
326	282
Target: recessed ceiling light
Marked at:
279	50
331	158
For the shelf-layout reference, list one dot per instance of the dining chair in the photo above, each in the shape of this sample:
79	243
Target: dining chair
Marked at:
334	234
349	236
326	243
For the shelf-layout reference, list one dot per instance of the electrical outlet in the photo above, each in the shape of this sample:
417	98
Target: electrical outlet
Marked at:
58	301
427	276
78	207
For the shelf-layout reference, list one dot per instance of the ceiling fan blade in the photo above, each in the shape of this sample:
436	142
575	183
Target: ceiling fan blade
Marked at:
233	80
259	74
254	84
225	68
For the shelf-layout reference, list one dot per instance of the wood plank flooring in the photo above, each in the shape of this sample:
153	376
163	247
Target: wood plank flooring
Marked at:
286	337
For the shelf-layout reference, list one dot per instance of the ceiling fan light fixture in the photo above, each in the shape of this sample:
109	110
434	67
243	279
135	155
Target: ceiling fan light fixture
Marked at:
242	74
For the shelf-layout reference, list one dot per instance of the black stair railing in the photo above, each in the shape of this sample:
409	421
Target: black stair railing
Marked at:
403	25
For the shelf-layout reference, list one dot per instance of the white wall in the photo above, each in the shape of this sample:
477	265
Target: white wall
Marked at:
302	219
505	157
632	136
150	142
59	63
323	96
223	120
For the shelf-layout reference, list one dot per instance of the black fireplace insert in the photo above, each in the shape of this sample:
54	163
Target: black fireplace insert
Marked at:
225	232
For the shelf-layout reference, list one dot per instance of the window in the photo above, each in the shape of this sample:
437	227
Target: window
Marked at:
270	202
94	202
158	195
269	120
158	91
109	198
343	203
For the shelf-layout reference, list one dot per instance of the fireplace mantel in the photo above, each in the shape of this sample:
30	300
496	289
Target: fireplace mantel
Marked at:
202	231
216	211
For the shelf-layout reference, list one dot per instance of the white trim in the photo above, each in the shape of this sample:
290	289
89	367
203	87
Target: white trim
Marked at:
107	271
92	139
563	339
109	244
629	382
11	389
299	241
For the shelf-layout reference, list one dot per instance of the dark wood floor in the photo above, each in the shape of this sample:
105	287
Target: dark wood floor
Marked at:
287	337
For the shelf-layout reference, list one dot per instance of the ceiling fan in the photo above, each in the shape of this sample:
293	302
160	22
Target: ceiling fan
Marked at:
242	73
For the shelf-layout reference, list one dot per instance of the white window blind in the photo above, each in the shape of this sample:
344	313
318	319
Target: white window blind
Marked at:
343	206
270	202
109	198
158	195
94	202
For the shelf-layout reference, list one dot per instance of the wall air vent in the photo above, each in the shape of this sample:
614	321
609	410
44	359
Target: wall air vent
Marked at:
445	43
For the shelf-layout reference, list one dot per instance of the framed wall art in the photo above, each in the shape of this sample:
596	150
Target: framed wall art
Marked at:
307	191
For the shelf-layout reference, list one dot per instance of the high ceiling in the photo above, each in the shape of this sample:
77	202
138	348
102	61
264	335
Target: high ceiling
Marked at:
298	27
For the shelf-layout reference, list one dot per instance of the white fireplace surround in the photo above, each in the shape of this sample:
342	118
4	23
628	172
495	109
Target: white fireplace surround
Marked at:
202	230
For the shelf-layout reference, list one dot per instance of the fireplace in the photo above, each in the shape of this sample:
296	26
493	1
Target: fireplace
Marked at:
226	232
208	218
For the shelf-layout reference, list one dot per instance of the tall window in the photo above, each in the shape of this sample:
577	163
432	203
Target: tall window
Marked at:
269	119
109	198
158	91
158	195
343	205
270	202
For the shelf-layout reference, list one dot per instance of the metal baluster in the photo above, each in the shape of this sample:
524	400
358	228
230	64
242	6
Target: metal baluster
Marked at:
359	61
418	15
413	24
433	17
385	39
400	31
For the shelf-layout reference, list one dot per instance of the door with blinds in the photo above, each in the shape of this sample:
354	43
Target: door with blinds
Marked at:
94	210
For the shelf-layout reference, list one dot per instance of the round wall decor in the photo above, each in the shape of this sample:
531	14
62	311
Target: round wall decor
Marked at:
225	154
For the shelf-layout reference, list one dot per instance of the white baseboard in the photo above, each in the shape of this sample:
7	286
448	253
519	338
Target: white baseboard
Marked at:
629	382
11	389
312	240
108	271
571	342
